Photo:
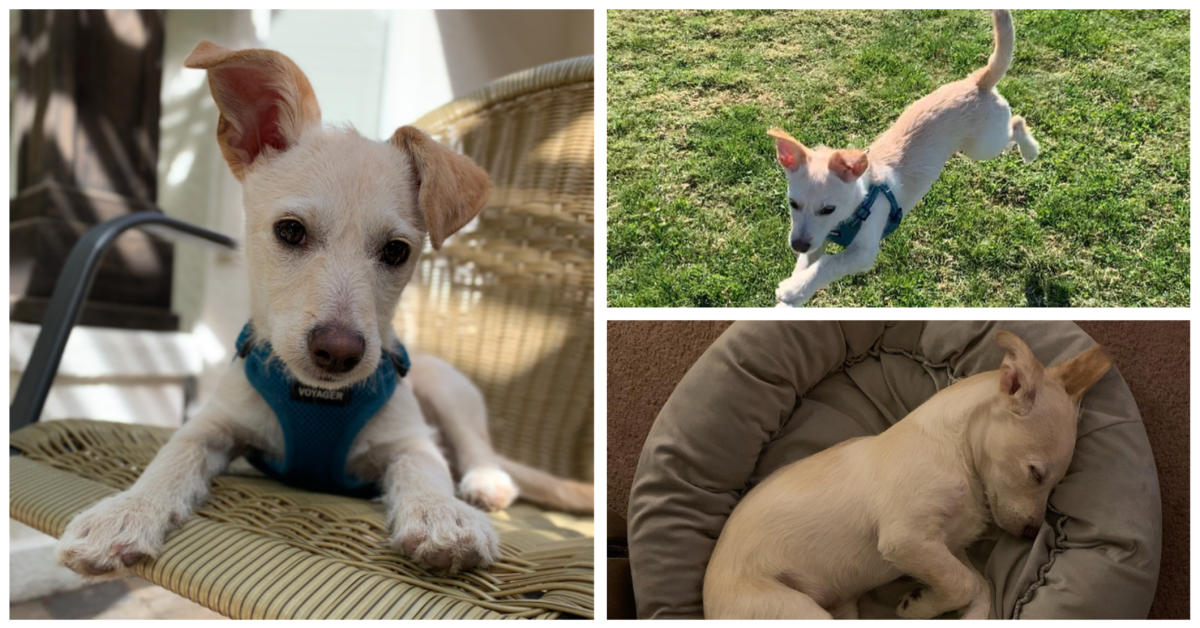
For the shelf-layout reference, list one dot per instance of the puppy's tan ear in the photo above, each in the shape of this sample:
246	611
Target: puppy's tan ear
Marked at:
451	189
848	164
266	102
790	153
1020	372
1080	372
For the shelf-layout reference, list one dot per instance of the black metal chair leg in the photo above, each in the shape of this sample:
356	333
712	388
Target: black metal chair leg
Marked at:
66	303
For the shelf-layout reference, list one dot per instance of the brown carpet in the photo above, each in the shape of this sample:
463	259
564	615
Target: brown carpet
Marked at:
646	359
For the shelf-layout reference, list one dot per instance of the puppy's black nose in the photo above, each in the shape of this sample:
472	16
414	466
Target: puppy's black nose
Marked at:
801	245
1030	532
334	349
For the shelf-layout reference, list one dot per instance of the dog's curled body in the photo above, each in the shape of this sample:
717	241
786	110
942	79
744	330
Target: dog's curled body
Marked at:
855	484
817	534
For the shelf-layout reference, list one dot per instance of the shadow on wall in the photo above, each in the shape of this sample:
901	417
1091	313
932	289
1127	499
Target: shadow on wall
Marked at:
480	46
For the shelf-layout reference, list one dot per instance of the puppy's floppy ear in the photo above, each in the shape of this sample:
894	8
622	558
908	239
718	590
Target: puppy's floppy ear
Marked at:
790	153
1020	372
451	189
1080	372
848	164
266	102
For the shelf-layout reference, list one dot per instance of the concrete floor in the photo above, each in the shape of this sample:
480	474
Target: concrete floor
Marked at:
132	598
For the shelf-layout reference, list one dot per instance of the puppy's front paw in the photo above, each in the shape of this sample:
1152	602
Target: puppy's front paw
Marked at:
488	488
103	541
445	534
793	291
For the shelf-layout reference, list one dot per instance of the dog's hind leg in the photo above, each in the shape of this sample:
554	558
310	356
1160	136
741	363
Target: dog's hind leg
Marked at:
762	598
451	402
1023	139
488	480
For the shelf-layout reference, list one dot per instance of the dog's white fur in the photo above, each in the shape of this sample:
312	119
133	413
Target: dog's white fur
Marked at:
967	116
353	196
817	534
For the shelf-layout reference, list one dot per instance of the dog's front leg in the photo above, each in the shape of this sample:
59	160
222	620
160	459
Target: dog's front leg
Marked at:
427	521
805	260
116	532
803	284
949	584
981	606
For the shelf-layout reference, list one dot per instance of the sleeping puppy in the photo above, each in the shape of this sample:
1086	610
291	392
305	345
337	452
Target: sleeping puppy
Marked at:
816	535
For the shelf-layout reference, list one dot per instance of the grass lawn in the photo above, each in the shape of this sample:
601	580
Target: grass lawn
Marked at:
696	208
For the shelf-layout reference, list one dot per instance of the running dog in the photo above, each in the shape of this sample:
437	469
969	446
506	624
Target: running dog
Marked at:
856	198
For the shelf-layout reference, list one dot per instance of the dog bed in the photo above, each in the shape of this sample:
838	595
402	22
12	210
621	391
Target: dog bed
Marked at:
769	393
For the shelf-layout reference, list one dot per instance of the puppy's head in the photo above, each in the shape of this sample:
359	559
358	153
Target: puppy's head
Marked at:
1029	437
334	222
823	188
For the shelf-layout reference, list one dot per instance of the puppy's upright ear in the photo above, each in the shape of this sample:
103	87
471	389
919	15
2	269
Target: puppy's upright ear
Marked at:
1020	372
848	164
1080	372
266	102
790	152
451	189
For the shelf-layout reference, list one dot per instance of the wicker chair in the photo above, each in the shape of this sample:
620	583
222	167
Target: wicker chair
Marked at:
510	302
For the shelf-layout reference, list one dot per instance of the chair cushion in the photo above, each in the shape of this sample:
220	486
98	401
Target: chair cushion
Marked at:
769	393
260	549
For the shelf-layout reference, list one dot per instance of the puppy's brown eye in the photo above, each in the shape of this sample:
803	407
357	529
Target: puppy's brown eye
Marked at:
795	205
290	232
826	210
395	253
1037	475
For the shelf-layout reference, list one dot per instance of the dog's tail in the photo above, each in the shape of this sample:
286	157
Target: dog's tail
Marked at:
988	76
544	489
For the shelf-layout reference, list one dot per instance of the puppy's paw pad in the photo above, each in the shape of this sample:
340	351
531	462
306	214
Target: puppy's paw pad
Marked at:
488	488
445	534
784	295
911	607
105	540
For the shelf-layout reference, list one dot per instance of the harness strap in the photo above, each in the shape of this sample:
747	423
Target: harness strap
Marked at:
846	230
319	425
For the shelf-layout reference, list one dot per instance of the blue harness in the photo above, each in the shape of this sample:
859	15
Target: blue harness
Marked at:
844	233
319	425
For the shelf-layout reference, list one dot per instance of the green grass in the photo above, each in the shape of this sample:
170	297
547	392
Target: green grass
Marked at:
696	208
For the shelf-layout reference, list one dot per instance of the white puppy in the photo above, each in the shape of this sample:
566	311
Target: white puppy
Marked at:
856	198
322	393
817	534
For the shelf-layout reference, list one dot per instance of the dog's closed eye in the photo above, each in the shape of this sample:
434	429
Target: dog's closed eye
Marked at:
1037	474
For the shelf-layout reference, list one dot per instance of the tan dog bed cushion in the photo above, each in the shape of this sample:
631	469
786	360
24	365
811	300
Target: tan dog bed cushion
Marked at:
769	393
